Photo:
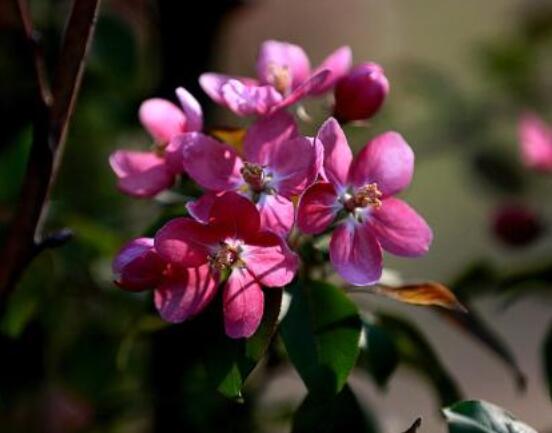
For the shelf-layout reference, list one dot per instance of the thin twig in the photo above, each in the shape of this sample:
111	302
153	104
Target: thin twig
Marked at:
52	113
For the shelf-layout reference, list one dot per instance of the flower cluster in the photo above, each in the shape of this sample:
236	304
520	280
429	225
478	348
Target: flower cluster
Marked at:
278	184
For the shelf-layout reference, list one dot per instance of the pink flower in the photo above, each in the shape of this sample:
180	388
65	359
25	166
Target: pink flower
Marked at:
179	292
360	93
277	164
284	77
231	244
535	139
146	173
137	265
357	194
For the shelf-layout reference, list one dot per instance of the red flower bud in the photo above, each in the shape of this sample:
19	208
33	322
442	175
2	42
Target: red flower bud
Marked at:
517	225
360	93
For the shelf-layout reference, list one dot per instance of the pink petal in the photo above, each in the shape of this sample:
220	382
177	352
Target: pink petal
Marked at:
386	160
337	153
270	260
243	302
137	265
185	293
356	254
338	63
318	208
266	133
277	214
399	228
212	164
211	83
185	242
173	156
162	119
311	85
247	100
282	55
235	216
200	209
294	165
140	174
192	110
535	138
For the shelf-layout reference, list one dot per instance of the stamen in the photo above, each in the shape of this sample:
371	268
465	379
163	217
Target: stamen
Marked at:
224	258
254	175
368	195
280	77
159	149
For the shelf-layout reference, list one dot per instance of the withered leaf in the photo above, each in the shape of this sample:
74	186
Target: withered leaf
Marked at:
426	293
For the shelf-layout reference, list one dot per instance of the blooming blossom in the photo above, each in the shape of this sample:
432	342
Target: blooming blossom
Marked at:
277	164
284	77
146	173
535	138
357	194
179	292
230	247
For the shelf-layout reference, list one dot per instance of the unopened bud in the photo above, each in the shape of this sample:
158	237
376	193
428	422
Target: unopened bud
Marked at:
360	93
516	225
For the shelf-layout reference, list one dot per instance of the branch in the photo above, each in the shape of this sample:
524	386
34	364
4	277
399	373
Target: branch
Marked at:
52	114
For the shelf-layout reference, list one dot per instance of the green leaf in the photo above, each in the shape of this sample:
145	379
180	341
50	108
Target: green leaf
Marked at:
480	277
547	359
340	413
228	362
416	352
321	333
481	417
379	355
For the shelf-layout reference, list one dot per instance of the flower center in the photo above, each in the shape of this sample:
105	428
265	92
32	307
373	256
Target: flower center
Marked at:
159	149
280	77
225	257
254	176
368	195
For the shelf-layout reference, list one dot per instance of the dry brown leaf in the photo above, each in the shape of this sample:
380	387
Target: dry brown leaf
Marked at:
426	293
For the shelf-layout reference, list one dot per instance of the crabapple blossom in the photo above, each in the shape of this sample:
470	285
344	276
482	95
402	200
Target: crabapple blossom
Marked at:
146	173
231	248
277	164
179	293
284	76
357	195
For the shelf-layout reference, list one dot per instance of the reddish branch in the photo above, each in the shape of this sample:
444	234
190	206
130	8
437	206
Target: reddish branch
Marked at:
51	116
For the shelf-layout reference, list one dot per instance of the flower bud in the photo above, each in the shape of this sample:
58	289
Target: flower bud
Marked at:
516	225
138	266
360	93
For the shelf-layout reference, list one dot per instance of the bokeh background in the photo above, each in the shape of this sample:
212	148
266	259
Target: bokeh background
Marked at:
461	73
